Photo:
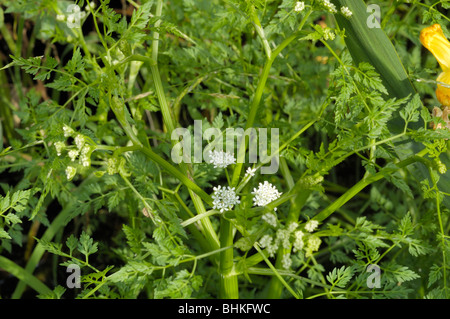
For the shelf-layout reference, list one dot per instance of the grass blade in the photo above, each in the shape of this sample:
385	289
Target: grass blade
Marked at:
24	275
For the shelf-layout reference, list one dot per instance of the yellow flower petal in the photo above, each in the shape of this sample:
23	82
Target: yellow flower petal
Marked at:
443	93
433	39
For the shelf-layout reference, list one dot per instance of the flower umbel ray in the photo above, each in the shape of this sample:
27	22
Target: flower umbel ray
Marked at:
434	40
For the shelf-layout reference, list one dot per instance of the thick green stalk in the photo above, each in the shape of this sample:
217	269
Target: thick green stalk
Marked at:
169	122
165	109
229	284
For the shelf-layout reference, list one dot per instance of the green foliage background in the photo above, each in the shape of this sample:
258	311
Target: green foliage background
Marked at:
356	150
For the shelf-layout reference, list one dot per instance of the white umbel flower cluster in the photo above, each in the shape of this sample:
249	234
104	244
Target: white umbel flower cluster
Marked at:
59	146
68	131
73	155
79	141
328	34
270	219
313	245
298	241
265	241
292	237
90	6
221	159
85	157
265	194
346	12
112	166
82	150
311	225
330	7
299	6
282	239
70	172
286	261
224	198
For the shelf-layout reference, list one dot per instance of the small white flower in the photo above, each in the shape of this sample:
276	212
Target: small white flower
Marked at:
298	241
265	241
328	34
299	6
292	226
272	249
61	17
311	225
59	146
221	159
85	160
73	154
286	261
330	7
86	150
265	194
250	172
270	219
313	245
283	237
90	6
68	131
346	12
85	155
71	19
224	198
79	141
70	172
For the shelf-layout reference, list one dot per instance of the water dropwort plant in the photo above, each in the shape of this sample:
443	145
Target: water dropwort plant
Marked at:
224	149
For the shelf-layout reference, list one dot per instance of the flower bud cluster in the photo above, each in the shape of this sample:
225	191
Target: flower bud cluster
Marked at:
81	150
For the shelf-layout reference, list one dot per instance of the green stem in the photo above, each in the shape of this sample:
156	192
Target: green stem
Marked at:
185	176
259	29
178	174
229	282
155	41
353	191
276	272
198	217
165	109
258	95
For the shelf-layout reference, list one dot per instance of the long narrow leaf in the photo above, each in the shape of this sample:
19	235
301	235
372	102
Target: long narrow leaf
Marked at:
23	275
